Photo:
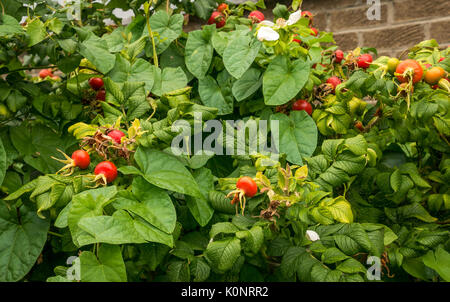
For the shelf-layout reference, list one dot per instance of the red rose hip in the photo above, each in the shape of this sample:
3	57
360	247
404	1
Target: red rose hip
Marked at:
217	18
256	16
96	83
364	60
107	169
116	135
81	159
302	105
338	56
334	81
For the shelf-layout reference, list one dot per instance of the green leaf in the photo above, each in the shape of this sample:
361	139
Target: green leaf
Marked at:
247	85
61	220
108	267
340	209
292	260
212	95
283	79
3	164
200	270
96	51
37	144
415	210
139	71
396	180
240	54
222	227
21	241
352	238
88	204
150	203
165	171
438	260
36	31
165	28
10	27
298	135
254	238
130	94
333	255
120	228
16	100
416	268
55	25
357	145
169	80
199	52
351	266
200	207
178	271
223	254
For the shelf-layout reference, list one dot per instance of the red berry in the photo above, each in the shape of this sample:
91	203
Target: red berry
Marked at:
315	31
256	16
96	83
101	95
407	64
248	185
222	7
441	59
116	135
338	56
302	105
108	169
334	80
45	73
81	159
217	18
364	60
308	15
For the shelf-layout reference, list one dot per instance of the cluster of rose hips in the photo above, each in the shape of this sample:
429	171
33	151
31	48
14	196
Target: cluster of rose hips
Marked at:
97	84
310	16
219	16
44	73
105	171
332	81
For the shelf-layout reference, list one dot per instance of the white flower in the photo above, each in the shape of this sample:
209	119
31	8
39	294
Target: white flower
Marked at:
311	235
293	18
266	23
267	34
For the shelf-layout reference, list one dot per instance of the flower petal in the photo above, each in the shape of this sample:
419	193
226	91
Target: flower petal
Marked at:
293	18
267	34
311	235
266	23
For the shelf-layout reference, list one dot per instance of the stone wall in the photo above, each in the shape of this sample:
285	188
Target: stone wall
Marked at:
402	24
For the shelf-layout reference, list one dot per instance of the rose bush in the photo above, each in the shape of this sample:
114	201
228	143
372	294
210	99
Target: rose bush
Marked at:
364	169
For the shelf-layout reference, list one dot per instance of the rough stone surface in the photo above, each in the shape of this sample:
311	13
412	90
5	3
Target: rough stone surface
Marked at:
329	4
346	41
355	18
394	37
410	10
441	31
